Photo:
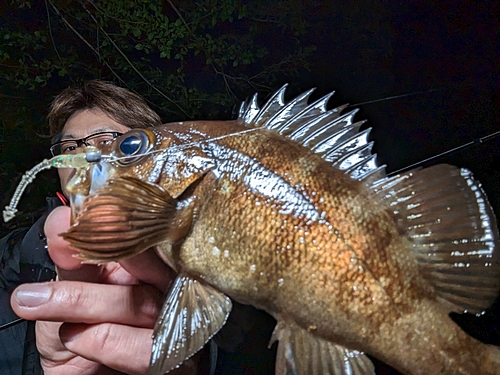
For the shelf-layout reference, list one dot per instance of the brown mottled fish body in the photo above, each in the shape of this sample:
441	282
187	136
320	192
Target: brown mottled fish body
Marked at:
267	216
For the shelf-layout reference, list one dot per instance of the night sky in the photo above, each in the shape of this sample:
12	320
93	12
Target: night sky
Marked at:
446	55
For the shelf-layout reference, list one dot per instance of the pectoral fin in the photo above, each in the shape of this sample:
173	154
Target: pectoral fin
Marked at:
192	314
122	218
300	352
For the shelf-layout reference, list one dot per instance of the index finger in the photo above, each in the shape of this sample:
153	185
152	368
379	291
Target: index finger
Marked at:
68	267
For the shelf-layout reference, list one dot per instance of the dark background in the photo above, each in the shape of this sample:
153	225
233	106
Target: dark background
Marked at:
425	76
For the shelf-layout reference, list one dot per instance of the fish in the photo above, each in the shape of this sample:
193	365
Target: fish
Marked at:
286	209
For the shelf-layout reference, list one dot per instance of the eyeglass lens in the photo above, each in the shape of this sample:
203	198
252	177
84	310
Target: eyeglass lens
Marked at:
71	146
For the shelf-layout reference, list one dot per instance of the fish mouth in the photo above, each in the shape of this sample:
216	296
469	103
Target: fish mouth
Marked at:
114	213
85	182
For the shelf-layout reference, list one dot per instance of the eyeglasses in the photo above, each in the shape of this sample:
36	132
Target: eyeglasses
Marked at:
70	146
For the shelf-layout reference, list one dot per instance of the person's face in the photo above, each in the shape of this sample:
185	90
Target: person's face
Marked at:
82	124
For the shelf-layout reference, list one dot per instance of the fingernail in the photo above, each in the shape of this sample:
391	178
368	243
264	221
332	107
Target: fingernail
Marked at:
32	295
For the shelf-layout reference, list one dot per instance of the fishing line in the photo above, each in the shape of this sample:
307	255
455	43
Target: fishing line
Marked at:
448	152
109	158
396	97
175	148
455	149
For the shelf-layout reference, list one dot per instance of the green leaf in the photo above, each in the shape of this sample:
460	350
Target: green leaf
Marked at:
137	32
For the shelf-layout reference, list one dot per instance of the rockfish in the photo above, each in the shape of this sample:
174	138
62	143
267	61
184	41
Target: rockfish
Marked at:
286	209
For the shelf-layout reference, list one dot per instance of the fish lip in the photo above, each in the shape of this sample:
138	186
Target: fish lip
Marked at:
86	181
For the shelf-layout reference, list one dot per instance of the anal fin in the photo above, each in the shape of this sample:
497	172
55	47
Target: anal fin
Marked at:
300	352
192	314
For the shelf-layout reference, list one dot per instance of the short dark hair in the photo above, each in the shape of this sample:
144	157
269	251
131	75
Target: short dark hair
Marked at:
120	104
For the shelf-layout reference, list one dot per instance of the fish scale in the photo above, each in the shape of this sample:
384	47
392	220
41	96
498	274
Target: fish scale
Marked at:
286	209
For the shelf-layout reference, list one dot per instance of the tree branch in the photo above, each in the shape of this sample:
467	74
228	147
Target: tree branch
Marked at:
85	41
179	14
50	32
132	65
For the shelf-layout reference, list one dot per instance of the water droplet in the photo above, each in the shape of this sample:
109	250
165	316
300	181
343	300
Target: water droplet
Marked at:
211	240
216	251
280	282
253	267
226	253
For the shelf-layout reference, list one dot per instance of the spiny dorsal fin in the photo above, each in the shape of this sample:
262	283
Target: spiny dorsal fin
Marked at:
453	232
334	137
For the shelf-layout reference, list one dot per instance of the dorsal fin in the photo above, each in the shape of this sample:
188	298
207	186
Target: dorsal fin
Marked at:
248	111
452	230
334	137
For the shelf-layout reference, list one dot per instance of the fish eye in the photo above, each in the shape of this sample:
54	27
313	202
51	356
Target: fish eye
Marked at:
131	146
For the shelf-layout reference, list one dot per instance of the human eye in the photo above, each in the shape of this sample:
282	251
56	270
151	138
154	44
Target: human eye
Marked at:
68	147
103	139
106	141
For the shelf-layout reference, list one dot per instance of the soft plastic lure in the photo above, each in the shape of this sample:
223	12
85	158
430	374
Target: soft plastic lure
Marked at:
91	155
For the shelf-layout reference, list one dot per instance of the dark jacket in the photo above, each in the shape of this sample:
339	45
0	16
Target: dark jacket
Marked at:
23	259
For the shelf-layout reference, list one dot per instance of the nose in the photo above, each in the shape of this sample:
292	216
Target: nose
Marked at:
84	143
81	146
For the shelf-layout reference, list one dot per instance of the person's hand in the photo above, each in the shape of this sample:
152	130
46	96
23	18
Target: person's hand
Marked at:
108	311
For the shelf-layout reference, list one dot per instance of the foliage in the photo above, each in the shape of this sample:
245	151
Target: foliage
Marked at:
189	59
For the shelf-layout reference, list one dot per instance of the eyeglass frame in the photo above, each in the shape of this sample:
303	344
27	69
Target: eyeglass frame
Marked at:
81	141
